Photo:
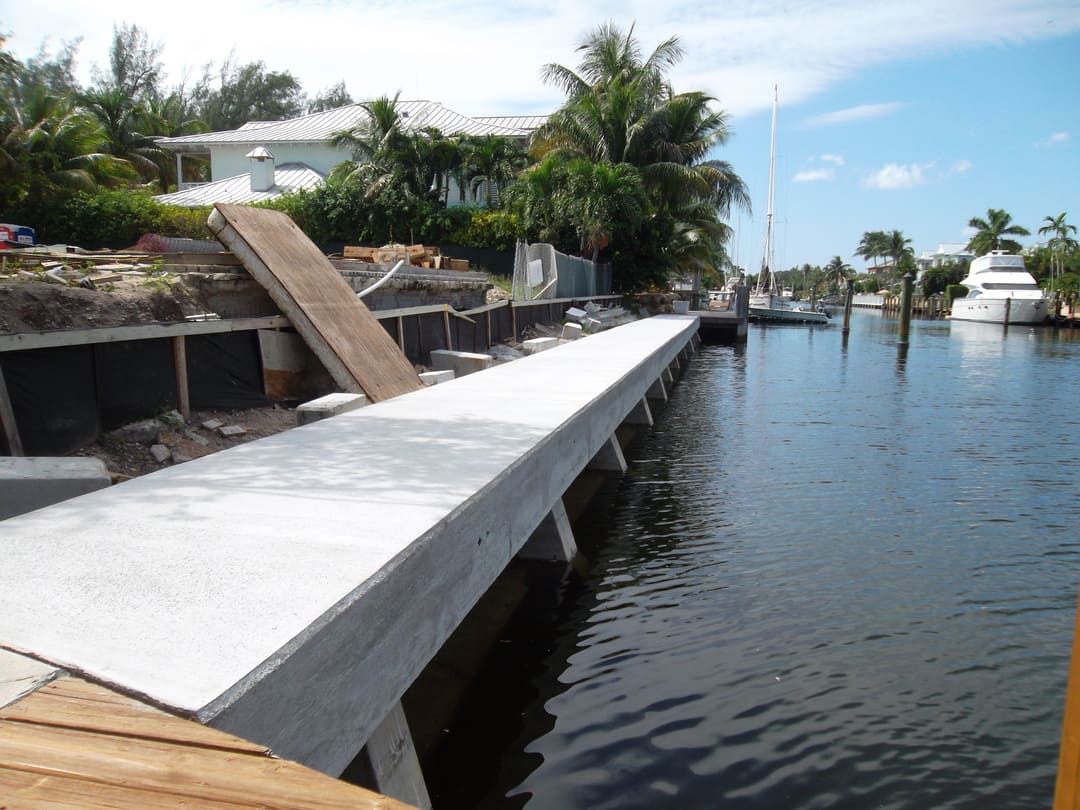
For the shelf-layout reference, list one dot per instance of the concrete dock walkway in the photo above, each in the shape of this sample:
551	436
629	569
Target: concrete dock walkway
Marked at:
289	590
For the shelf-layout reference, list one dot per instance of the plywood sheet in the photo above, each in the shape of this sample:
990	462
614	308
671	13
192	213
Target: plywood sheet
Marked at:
359	354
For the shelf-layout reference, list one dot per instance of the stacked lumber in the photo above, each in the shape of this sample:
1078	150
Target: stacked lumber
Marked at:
415	255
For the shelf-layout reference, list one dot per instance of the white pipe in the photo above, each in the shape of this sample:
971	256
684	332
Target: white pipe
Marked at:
546	288
381	281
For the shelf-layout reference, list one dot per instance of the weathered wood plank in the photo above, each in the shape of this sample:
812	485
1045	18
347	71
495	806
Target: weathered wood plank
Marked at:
76	744
22	341
76	704
359	354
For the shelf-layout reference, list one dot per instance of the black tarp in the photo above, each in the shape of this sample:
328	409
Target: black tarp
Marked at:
53	398
64	397
225	371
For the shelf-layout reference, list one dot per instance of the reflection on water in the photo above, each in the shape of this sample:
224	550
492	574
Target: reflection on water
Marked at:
829	579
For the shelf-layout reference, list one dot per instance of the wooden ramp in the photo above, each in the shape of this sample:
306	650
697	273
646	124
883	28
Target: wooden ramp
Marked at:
73	744
359	354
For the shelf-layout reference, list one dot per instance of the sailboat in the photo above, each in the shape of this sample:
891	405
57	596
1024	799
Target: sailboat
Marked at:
766	301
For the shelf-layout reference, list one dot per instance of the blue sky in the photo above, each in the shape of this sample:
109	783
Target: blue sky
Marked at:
914	115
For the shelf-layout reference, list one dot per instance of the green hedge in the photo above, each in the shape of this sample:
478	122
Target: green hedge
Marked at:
114	219
330	213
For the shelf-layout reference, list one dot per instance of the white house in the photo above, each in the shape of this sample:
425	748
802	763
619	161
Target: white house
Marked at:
946	253
299	153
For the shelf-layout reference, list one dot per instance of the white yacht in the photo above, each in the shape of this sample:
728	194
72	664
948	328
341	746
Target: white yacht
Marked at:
997	280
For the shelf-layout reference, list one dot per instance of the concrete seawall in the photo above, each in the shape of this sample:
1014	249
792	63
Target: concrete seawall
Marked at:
289	590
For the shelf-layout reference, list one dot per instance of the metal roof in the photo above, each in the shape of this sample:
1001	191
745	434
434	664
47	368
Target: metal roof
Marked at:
523	122
321	127
237	189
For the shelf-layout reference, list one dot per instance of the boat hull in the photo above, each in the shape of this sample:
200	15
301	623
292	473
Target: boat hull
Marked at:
992	310
773	315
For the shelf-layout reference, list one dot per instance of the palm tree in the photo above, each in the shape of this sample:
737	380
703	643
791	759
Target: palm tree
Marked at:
873	245
374	144
121	121
1060	244
837	271
49	144
621	109
603	196
991	233
492	161
897	247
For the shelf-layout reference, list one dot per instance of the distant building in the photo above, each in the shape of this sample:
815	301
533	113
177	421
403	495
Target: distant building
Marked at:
946	253
299	153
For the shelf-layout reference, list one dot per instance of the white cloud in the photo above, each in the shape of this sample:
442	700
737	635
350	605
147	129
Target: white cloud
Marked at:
1055	139
894	176
836	160
813	175
860	113
960	167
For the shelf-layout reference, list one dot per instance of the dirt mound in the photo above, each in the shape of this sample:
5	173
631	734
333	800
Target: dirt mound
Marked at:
32	306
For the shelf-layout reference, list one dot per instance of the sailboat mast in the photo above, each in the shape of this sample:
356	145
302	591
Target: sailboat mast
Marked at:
768	256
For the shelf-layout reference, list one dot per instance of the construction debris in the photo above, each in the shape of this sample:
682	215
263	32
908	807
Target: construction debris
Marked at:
416	255
596	318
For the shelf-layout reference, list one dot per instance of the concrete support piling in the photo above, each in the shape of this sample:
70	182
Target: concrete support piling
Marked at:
640	415
392	765
657	391
609	457
553	540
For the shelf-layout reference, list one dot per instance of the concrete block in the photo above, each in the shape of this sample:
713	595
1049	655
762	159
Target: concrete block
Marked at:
232	430
160	452
436	377
575	314
540	344
461	363
327	406
592	325
30	483
571	331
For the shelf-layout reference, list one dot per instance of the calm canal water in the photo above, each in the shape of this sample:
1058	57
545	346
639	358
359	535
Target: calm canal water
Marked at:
829	580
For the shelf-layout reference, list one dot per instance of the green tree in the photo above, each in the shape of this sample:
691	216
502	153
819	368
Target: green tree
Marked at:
937	279
491	163
50	146
992	233
603	197
54	72
246	93
898	248
837	272
330	99
872	246
1061	244
135	68
621	109
121	123
375	144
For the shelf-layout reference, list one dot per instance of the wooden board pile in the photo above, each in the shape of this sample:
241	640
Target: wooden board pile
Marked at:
415	255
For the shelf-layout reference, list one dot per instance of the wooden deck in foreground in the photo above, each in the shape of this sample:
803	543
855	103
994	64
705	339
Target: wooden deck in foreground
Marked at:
73	744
